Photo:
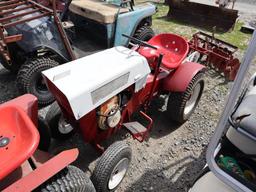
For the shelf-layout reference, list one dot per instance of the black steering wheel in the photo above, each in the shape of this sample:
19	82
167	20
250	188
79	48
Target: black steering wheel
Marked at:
139	42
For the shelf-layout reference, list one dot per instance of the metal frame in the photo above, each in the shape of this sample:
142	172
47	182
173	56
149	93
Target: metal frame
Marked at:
223	122
6	21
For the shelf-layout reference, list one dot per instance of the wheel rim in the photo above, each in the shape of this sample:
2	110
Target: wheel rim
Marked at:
63	126
118	173
192	101
194	57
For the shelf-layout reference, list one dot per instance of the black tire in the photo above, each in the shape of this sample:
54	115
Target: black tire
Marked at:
106	164
45	136
144	33
177	101
29	79
52	118
70	179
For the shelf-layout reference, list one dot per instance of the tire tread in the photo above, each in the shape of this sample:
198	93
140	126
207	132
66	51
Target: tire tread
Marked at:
28	69
177	100
70	179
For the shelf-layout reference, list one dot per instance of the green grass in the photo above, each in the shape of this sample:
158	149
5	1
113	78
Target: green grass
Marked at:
163	24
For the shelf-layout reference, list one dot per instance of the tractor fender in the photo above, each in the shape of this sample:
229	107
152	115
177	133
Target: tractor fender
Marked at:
61	54
146	20
178	80
44	172
127	23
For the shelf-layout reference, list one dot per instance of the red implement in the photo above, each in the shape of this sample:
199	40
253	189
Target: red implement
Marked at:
219	54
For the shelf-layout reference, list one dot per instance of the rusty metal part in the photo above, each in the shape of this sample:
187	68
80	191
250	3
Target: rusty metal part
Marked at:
107	109
220	54
29	7
62	32
202	15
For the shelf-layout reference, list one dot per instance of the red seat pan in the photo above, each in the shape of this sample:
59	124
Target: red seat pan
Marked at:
23	138
174	48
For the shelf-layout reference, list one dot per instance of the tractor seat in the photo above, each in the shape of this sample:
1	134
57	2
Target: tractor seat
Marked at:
19	139
96	10
174	48
245	115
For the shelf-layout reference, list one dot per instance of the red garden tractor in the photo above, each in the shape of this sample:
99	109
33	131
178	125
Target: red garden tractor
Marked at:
23	166
98	95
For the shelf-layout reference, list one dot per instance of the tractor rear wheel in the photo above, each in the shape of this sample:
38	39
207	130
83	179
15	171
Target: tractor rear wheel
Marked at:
70	179
112	167
181	105
30	79
144	33
59	127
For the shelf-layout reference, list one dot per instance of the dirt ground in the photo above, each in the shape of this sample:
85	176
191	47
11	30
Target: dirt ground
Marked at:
173	154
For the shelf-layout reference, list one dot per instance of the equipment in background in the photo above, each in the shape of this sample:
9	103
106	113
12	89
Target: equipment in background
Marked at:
219	54
202	15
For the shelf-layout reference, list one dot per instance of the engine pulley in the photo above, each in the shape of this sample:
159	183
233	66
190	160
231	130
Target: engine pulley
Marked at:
109	114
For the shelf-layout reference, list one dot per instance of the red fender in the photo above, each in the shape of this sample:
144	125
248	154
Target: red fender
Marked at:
44	172
178	80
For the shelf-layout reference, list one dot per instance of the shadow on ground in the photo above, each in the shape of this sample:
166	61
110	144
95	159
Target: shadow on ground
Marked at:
166	179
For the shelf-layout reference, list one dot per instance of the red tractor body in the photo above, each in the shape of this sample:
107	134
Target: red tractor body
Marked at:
165	55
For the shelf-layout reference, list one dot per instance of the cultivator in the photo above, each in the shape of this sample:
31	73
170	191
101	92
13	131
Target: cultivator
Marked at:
219	54
16	12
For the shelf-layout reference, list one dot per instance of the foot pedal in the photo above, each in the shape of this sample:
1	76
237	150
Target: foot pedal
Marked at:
137	130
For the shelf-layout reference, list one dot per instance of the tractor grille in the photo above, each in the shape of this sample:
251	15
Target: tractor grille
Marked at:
108	88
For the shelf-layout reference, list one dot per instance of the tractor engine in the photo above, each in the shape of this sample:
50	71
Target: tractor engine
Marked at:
109	114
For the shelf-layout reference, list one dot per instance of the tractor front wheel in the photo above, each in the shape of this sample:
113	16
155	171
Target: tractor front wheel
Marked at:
30	79
144	33
112	167
59	127
181	105
69	179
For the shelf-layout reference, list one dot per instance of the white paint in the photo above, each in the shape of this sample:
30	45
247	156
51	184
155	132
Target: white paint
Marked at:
245	144
85	75
210	183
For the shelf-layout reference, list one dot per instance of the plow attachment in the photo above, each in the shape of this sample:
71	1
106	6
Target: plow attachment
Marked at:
202	15
219	54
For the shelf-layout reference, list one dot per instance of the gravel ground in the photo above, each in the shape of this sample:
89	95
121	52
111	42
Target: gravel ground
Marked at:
173	154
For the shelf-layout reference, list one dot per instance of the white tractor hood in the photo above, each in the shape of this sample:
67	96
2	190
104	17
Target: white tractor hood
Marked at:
90	81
